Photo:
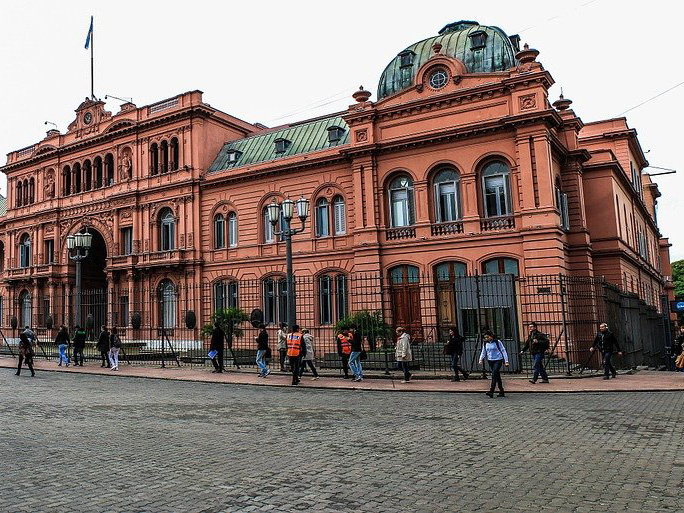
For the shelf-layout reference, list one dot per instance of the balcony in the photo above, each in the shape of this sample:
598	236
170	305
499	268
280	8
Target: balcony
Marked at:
450	228
406	232
124	260
495	224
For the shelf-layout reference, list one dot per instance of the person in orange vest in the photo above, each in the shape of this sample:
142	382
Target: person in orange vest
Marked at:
295	351
344	350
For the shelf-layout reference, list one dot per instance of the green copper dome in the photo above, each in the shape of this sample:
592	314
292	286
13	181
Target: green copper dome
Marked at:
482	49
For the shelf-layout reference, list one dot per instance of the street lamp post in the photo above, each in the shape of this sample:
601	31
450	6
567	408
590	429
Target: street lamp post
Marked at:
287	209
80	244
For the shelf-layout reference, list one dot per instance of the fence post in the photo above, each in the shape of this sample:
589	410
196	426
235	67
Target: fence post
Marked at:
162	332
565	326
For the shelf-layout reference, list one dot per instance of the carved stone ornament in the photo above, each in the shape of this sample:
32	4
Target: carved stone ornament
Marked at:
361	135
126	166
528	101
49	186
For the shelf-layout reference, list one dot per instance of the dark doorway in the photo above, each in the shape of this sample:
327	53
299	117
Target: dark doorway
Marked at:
94	283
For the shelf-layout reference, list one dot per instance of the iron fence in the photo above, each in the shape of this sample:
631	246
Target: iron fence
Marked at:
155	324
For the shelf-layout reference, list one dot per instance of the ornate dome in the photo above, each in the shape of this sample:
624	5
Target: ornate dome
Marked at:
482	49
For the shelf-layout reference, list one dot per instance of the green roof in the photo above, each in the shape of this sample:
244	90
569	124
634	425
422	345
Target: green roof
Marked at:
3	206
498	54
304	137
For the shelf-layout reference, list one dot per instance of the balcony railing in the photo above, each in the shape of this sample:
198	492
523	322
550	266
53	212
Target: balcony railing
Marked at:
450	228
407	232
494	224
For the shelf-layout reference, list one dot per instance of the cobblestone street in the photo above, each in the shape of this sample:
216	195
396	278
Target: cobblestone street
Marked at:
77	442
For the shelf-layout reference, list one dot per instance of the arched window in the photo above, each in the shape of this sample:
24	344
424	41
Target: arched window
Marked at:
447	289
164	156
174	154
340	215
447	186
66	181
219	232
77	178
562	206
167	304
167	230
404	275
26	199
98	172
154	159
501	265
32	190
448	271
232	229
88	176
275	300
496	187
20	193
322	218
225	295
402	205
26	308
109	168
25	251
332	298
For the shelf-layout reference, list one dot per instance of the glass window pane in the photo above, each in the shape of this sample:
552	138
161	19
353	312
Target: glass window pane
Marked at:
340	216
268	229
412	274
397	275
325	300
491	266
460	269
232	229
442	272
511	266
341	296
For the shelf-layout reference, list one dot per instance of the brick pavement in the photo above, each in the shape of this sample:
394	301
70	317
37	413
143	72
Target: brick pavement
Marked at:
85	442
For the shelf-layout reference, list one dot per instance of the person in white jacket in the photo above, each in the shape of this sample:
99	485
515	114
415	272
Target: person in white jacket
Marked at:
403	352
495	353
309	357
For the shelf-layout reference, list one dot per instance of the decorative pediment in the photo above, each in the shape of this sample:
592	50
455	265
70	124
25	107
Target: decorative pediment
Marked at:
89	114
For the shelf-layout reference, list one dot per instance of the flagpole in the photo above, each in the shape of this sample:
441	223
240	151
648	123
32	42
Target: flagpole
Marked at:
92	62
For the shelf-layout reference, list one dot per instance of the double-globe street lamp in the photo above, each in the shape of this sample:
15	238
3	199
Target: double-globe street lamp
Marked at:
80	244
286	209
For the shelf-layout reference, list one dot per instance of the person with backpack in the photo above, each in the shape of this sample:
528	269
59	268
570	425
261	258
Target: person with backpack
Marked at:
25	352
115	342
296	350
495	352
216	348
344	350
538	343
309	357
355	356
262	350
103	346
281	341
79	345
607	343
403	352
62	342
454	349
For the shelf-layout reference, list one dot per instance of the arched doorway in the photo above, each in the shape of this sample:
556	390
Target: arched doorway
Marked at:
405	294
94	294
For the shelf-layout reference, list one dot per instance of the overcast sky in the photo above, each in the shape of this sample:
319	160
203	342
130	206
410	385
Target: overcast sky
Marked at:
275	62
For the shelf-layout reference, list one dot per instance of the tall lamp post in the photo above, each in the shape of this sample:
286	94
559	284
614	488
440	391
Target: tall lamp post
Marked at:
80	245
286	231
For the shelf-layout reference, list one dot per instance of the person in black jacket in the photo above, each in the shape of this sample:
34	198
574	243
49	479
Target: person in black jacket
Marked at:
103	346
344	350
454	348
217	338
607	343
79	345
538	343
262	350
63	342
355	357
25	353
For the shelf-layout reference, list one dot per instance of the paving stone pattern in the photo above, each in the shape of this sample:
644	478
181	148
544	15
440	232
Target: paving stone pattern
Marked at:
71	443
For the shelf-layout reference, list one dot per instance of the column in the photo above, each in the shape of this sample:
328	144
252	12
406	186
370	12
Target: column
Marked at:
116	236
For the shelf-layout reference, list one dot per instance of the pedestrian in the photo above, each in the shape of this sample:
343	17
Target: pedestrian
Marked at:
62	342
344	350
607	343
79	345
216	347
309	357
454	349
538	343
25	352
296	350
115	342
103	346
281	339
31	335
403	352
262	350
355	355
495	352
678	349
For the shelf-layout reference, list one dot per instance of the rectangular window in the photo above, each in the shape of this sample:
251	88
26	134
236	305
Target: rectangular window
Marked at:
562	204
268	228
282	301
219	235
123	311
225	295
167	237
127	240
322	221
496	196
269	302
232	230
325	299
25	254
46	310
341	296
49	251
340	217
2	311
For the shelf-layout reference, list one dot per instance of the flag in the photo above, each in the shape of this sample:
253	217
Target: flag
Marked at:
90	34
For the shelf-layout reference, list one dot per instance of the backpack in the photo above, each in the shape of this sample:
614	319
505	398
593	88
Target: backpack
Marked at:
544	345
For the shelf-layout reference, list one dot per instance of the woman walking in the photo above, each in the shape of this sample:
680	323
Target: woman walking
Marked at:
62	341
495	352
308	358
262	350
355	356
25	353
115	343
403	353
103	346
281	341
454	348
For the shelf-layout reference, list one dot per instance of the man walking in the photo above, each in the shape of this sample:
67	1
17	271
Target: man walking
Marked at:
79	345
538	343
281	341
355	355
295	351
217	338
103	346
607	343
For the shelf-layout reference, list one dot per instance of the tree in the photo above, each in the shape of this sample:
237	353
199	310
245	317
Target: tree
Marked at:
229	320
369	323
678	280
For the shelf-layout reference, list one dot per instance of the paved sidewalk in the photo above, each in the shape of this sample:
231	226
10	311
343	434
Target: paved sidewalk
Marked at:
642	381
